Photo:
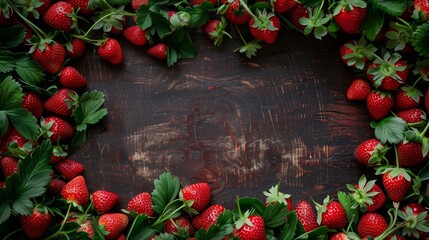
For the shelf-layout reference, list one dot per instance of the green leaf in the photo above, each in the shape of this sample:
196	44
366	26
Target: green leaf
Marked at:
24	122
11	94
153	22
424	173
275	215
78	139
140	229
11	37
89	109
346	201
5	210
248	203
118	2
390	130
373	23
4	123
320	231
166	188
7	63
391	7
200	14
29	70
420	40
223	227
289	229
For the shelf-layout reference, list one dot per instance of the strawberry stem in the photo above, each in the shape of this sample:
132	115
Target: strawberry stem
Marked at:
59	232
167	215
241	35
423	133
39	32
396	156
248	9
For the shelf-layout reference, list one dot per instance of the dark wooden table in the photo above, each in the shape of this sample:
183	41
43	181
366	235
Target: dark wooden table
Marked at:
242	125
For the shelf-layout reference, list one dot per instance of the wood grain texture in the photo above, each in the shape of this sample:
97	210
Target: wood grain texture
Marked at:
242	125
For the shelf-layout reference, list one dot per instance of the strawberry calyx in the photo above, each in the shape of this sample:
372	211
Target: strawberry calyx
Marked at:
412	92
243	219
398	36
362	193
387	67
322	208
263	22
348	5
378	155
361	51
413	223
316	22
274	195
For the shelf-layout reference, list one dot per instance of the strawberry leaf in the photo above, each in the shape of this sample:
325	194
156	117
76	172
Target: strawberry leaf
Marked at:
373	23
11	37
223	227
391	7
155	22
140	229
290	227
180	46
24	122
275	215
7	62
248	203
200	14
89	109
165	191
346	201
29	70
390	130
420	39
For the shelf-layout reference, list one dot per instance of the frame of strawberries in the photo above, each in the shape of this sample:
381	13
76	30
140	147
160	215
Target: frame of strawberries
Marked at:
45	110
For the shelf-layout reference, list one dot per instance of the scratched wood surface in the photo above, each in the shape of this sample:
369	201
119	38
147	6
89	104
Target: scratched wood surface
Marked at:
242	125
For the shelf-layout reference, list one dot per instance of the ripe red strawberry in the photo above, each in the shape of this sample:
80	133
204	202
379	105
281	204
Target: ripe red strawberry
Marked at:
379	104
136	4
50	56
55	186
397	183
58	154
371	224
104	201
255	231
274	195
407	97
9	165
350	17
265	27
410	154
141	204
75	48
370	152
199	2
368	196
282	6
359	89
70	168
339	236
76	191
416	213
33	104
82	5
413	116
62	102
135	35
306	215
179	225
331	214
237	15
121	237
71	78
158	51
114	223
111	51
16	144
388	73
422	7
87	226
296	13
60	16
215	30
2	184
37	223
199	193
208	217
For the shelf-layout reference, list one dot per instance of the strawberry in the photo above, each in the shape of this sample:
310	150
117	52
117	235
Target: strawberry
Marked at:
9	166
397	183
371	224
407	97
350	16
359	89
422	8
110	51
158	51
141	204
135	35
306	215
356	53
70	168
274	195
179	225
199	193
117	28
199	2
388	73
16	144
121	237
282	6
114	223
76	191
82	5
410	154
50	56
417	216
71	78
367	195
265	26
331	214
87	226
2	184
379	104
58	154
57	129
208	217
33	104
215	30
236	14
37	223
136	4
55	186
60	16
296	13
104	201
62	102
413	116
75	48
250	227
